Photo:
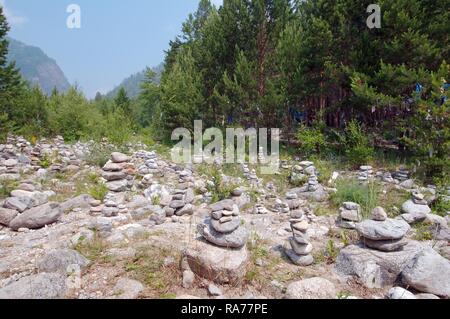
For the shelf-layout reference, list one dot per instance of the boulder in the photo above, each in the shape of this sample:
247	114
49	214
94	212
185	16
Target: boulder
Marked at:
400	293
221	265
117	157
385	245
117	186
126	288
58	260
18	203
226	204
375	269
428	272
37	217
82	201
409	207
312	288
40	286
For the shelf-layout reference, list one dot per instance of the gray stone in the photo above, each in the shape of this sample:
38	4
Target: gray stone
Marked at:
169	211
188	209
82	202
189	196
112	167
400	293
40	286
387	230
220	265
177	204
301	238
126	288
412	218
37	217
385	245
227	227
110	211
428	272
213	290
117	157
114	176
427	296
236	239
7	215
408	184
58	260
351	206
299	260
379	214
409	207
188	279
300	249
375	269
117	186
17	203
226	204
351	215
312	288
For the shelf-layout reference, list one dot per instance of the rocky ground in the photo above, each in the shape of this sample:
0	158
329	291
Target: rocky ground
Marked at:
138	226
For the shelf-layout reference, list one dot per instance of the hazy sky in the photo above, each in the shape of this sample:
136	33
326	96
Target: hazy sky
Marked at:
117	37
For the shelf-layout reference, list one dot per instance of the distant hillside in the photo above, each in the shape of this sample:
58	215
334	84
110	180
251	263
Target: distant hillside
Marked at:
132	84
36	67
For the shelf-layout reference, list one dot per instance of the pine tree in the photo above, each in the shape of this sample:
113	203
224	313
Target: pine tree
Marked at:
122	101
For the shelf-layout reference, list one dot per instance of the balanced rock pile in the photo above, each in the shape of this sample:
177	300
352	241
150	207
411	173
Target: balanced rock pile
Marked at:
365	173
299	249
223	228
416	209
349	214
401	175
225	260
179	203
313	190
116	172
250	175
381	233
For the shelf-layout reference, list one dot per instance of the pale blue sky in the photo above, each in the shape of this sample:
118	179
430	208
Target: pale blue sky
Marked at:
117	37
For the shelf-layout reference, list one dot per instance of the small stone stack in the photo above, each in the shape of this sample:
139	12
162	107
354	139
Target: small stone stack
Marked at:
299	249
180	203
281	206
250	175
365	173
387	178
260	209
416	209
381	233
116	171
349	214
297	175
224	227
401	175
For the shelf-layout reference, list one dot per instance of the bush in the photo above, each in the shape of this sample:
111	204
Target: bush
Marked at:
358	150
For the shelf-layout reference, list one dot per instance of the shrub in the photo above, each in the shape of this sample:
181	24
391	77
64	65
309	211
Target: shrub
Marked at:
98	191
358	150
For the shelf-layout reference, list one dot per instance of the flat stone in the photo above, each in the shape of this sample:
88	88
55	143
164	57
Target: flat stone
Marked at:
17	203
220	265
385	245
312	288
37	217
117	157
301	226
351	206
428	272
387	230
114	176
82	201
214	291
226	228
110	211
226	204
117	186
236	239
409	207
112	167
301	238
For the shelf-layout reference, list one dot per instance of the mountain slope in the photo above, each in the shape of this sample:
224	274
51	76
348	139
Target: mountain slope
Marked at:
132	84
36	67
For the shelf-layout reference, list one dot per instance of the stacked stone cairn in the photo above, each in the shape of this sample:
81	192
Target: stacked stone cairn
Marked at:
149	167
180	203
349	214
299	248
382	233
223	228
365	173
401	175
250	175
416	209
